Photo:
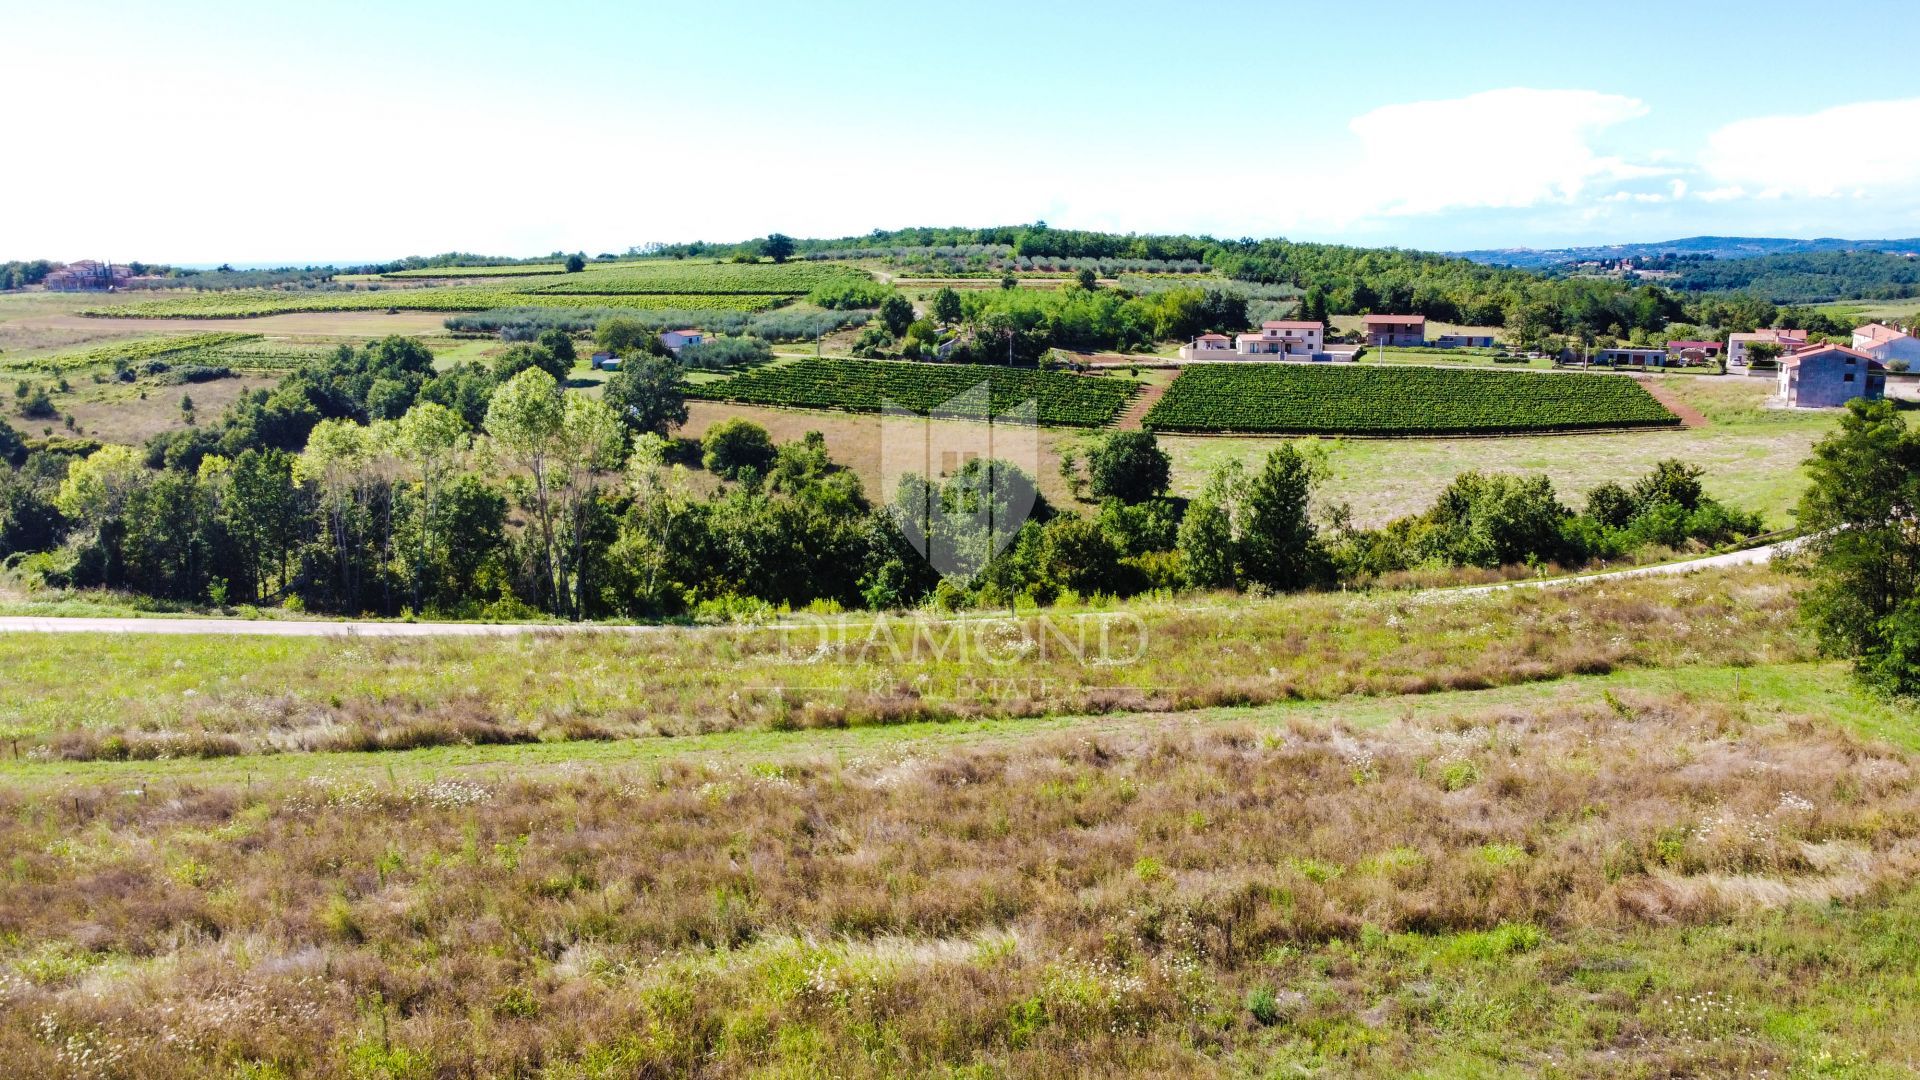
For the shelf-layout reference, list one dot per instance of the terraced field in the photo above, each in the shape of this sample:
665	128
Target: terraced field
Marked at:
872	385
1352	400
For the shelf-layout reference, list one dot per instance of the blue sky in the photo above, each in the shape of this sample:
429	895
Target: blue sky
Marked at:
199	132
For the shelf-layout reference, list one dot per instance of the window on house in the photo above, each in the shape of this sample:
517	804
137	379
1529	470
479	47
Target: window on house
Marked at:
1848	377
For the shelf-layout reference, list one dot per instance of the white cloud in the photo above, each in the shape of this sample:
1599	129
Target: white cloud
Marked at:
1548	154
1855	151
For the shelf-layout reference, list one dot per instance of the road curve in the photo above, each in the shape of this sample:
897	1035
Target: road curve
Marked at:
33	624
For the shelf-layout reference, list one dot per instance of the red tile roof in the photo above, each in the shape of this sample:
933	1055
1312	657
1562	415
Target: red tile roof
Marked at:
1817	350
1283	324
1398	320
1878	332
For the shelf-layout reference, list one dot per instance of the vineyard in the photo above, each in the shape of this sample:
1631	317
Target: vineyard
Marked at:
134	351
508	270
872	385
246	303
1324	400
719	278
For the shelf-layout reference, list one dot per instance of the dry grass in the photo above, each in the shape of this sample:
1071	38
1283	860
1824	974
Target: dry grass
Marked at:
1624	886
120	696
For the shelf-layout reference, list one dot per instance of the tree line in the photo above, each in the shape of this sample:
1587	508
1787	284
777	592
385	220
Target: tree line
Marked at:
367	482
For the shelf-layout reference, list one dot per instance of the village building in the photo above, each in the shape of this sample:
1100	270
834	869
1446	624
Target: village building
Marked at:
675	340
1630	356
1693	352
87	276
1887	344
1396	330
1464	341
1288	338
1737	344
1827	376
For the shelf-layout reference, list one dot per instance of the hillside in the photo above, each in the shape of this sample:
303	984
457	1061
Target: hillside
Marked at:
1717	247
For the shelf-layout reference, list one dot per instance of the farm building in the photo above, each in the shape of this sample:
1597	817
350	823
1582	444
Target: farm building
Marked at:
600	360
1626	356
1396	330
1737	344
87	276
1464	341
1886	344
1208	347
1693	352
675	340
1826	376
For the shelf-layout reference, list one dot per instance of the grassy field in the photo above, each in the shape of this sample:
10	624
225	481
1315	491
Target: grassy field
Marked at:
1336	835
1752	455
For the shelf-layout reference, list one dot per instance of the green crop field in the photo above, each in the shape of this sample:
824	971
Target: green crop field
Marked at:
870	385
1326	400
132	351
513	270
723	278
250	302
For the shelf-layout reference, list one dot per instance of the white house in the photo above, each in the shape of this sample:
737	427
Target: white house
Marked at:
1886	344
1737	344
675	340
1285	338
1829	375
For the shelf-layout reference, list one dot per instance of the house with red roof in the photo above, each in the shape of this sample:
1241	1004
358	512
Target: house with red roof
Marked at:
1292	339
1396	330
1887	344
1828	376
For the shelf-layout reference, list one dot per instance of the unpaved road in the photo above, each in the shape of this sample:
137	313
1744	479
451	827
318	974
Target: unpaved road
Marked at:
27	624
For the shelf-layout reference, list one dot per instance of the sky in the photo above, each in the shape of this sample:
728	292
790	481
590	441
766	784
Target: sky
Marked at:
203	132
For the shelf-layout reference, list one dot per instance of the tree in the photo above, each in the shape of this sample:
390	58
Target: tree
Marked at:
264	516
646	394
523	356
1129	466
777	246
428	439
624	337
563	443
559	343
733	447
1206	541
1008	281
946	306
1763	354
896	314
1862	510
1279	546
576	263
1088	279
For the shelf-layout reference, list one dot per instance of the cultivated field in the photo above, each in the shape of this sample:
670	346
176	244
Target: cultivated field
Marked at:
872	385
1355	835
1358	400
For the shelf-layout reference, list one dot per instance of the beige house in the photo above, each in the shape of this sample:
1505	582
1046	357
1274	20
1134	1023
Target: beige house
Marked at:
1737	344
1827	376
